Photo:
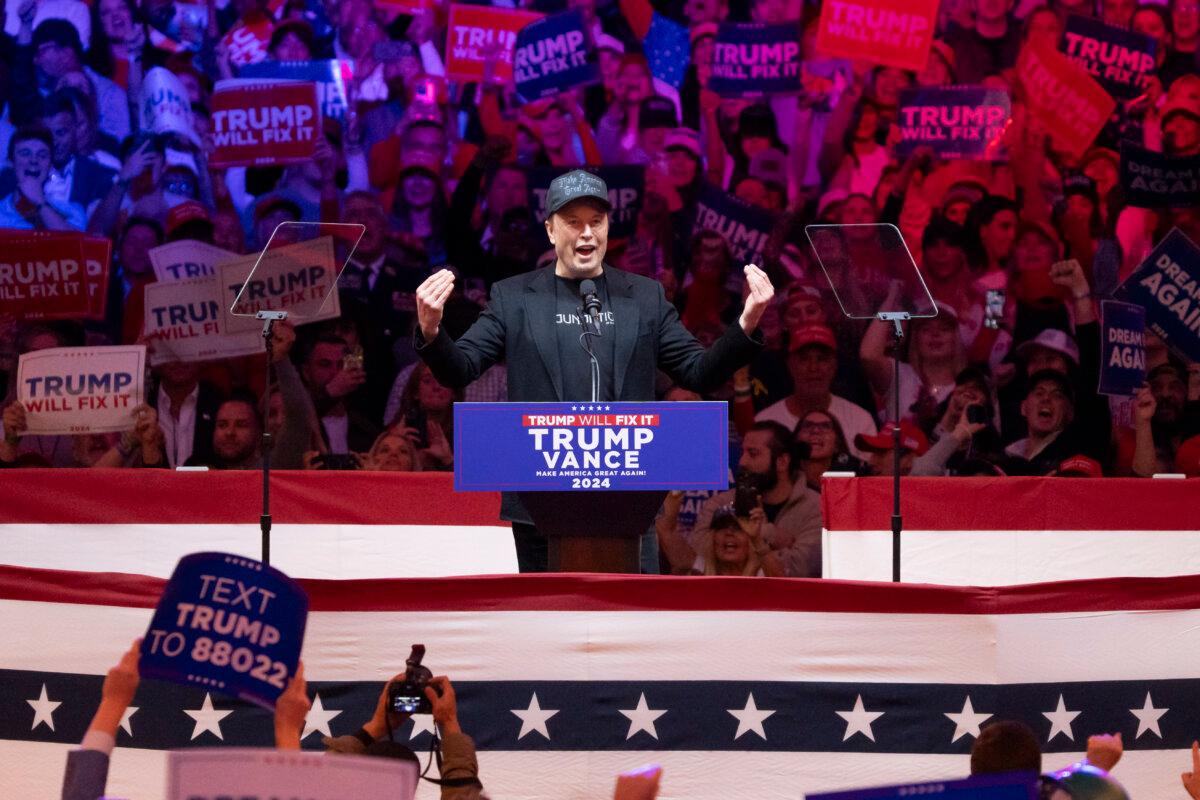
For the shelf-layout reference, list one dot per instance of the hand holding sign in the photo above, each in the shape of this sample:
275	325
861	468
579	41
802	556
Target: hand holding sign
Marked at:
121	682
431	299
758	298
230	623
291	709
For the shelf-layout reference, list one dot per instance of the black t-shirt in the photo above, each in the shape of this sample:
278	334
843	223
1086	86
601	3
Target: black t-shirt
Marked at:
576	366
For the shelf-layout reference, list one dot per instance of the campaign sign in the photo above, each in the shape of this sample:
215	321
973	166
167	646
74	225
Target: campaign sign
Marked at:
228	623
1003	786
589	446
165	107
1073	107
745	227
43	277
257	123
247	43
753	60
552	55
1123	358
184	322
475	34
1120	59
68	390
96	254
244	773
897	33
1167	285
956	122
331	77
1156	180
626	192
299	278
176	261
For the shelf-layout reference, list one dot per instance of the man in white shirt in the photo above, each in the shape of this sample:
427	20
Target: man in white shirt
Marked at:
812	362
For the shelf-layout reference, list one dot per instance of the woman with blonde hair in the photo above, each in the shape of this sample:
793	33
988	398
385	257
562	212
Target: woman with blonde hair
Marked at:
392	452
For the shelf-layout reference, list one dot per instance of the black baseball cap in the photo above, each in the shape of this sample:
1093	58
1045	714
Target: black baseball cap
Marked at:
575	185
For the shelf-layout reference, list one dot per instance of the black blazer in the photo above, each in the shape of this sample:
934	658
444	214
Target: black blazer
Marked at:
208	402
517	327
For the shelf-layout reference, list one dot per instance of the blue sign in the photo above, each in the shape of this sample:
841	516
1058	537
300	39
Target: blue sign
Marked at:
1156	180
753	59
330	76
1123	364
1005	786
552	55
1121	60
590	446
229	624
1167	285
626	192
745	227
956	121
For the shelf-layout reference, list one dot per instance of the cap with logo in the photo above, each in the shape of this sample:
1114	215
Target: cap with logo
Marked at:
1080	466
1052	339
576	185
807	335
911	439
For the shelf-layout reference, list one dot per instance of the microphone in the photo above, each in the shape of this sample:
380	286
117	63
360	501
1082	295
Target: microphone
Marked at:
591	303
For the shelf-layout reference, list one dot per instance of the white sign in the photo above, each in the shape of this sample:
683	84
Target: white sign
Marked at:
176	261
165	107
68	390
184	322
297	278
261	774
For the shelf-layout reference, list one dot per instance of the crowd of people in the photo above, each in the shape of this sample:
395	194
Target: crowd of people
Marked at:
1017	253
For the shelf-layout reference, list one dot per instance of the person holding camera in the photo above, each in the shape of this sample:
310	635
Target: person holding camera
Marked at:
768	478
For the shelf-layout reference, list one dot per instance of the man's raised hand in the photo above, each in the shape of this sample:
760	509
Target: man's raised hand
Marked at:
758	298
431	299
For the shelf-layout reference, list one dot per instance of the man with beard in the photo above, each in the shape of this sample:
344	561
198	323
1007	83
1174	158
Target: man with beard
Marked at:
236	436
793	511
1174	418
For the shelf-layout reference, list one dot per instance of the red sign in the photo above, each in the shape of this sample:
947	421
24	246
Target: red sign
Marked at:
247	43
897	33
44	276
476	34
1072	106
96	252
256	123
410	7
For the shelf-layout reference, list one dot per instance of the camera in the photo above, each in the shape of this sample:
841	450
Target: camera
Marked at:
336	461
408	696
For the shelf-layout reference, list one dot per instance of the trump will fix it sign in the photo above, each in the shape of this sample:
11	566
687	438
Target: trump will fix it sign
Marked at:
257	123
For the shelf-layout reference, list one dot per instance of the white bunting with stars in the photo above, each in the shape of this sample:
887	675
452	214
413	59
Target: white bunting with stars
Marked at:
318	718
858	720
967	721
1060	720
1147	717
533	719
750	719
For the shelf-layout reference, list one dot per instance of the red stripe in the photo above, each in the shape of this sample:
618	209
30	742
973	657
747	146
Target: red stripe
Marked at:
314	498
1022	504
636	593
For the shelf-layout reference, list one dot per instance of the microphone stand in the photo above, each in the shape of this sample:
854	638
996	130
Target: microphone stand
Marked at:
269	318
895	317
591	327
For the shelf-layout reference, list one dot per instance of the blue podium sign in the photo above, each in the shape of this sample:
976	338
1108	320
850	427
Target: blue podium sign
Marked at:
551	447
1003	786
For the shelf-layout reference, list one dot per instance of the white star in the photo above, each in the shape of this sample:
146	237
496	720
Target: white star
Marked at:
858	720
43	710
126	725
642	718
318	718
967	721
534	718
1147	717
1060	720
574	408
608	408
422	723
208	718
750	719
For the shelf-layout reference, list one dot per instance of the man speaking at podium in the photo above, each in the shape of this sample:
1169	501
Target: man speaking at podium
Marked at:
533	323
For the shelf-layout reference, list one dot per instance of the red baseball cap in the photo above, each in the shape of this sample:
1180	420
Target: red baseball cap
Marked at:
1187	457
1080	466
805	335
911	439
185	212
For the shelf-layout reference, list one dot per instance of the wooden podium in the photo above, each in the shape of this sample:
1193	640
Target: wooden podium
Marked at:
593	532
